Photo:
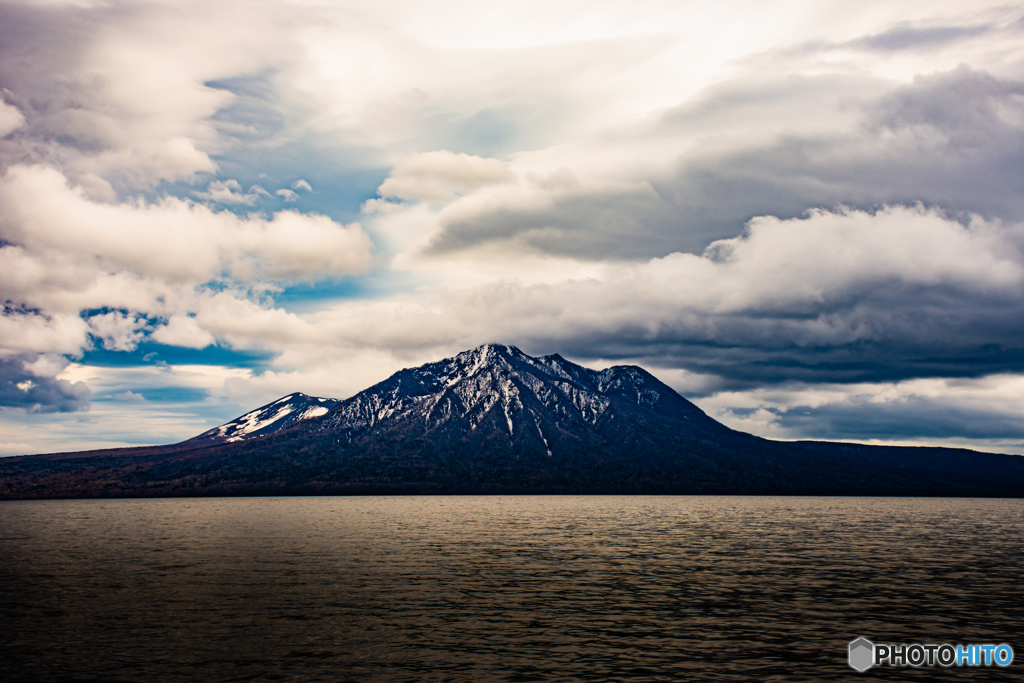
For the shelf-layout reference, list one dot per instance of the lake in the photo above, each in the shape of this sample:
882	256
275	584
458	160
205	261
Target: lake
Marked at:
504	588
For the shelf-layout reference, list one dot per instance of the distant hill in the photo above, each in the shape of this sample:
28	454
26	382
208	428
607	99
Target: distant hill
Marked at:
495	420
268	419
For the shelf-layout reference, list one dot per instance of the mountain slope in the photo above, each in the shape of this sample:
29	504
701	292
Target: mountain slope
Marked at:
267	419
495	420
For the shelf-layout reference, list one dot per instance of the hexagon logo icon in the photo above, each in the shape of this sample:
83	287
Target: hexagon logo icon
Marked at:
862	654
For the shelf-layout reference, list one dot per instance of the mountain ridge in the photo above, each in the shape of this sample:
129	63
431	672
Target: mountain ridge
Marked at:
538	397
496	420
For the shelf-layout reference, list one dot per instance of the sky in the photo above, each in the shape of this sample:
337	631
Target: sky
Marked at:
806	217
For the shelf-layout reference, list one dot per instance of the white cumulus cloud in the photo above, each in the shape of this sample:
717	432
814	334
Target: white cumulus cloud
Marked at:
173	239
443	175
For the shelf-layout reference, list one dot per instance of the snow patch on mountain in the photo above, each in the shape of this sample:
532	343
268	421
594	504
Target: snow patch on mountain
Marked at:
270	418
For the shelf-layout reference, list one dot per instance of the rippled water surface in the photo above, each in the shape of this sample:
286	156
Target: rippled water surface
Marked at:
501	588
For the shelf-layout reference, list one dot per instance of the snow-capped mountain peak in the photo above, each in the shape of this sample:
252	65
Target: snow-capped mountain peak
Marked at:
499	392
270	418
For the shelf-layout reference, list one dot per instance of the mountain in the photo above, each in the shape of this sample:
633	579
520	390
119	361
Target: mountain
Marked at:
267	419
498	397
496	420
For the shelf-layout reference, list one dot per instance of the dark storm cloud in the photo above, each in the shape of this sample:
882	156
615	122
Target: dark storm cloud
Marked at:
971	109
20	388
916	417
747	351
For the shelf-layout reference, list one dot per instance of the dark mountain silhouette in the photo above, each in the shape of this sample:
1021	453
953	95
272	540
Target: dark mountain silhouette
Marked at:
495	420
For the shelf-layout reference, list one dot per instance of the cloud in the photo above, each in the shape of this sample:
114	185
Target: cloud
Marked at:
443	175
909	37
117	331
121	92
183	331
119	412
982	413
129	396
64	254
10	119
834	296
287	195
31	331
841	295
173	239
698	172
230	192
301	184
959	110
22	386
